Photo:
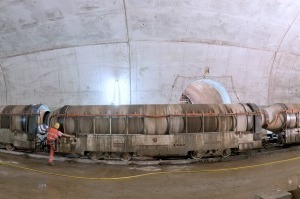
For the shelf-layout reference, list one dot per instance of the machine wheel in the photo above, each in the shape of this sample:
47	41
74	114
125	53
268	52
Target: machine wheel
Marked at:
226	153
10	147
196	154
95	155
126	156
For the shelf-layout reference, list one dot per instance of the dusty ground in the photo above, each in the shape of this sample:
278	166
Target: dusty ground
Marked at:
182	181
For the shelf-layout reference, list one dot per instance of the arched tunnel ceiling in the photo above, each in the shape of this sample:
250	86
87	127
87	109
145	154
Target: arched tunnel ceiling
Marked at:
137	51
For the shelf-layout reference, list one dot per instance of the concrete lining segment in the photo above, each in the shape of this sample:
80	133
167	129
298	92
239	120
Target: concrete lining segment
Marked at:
272	80
5	84
260	26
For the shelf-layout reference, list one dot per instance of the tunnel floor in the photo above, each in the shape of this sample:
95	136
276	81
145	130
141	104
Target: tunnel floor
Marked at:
26	177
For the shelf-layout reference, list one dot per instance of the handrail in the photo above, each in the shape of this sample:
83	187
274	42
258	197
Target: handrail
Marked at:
159	116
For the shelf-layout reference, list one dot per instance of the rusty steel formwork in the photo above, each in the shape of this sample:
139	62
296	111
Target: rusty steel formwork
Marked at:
155	119
160	130
284	120
18	124
154	130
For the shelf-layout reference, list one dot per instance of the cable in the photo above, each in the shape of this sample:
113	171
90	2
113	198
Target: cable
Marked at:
152	173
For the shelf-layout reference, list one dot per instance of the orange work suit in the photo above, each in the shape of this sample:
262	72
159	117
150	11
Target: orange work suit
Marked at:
52	135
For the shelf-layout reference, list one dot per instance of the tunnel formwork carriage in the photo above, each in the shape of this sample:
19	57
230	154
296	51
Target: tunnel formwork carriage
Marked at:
284	121
18	125
160	130
151	130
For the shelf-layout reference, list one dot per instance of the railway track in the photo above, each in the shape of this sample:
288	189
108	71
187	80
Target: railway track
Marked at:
269	149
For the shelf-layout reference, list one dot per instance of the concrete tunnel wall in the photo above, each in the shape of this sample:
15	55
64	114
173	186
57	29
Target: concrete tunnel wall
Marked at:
146	52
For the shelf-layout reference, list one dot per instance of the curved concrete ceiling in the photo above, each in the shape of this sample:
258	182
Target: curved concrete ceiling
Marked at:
137	51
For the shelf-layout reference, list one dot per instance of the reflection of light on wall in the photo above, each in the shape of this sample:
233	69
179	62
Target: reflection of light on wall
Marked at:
117	92
116	99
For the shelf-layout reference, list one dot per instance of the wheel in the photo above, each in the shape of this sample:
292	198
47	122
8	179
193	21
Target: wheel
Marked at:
95	155
196	154
226	153
126	156
10	147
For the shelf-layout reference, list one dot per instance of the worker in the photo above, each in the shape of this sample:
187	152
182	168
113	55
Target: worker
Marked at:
53	134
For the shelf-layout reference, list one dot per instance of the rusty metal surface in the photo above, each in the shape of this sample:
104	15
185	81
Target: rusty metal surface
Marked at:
155	145
170	129
151	130
154	119
19	124
279	116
